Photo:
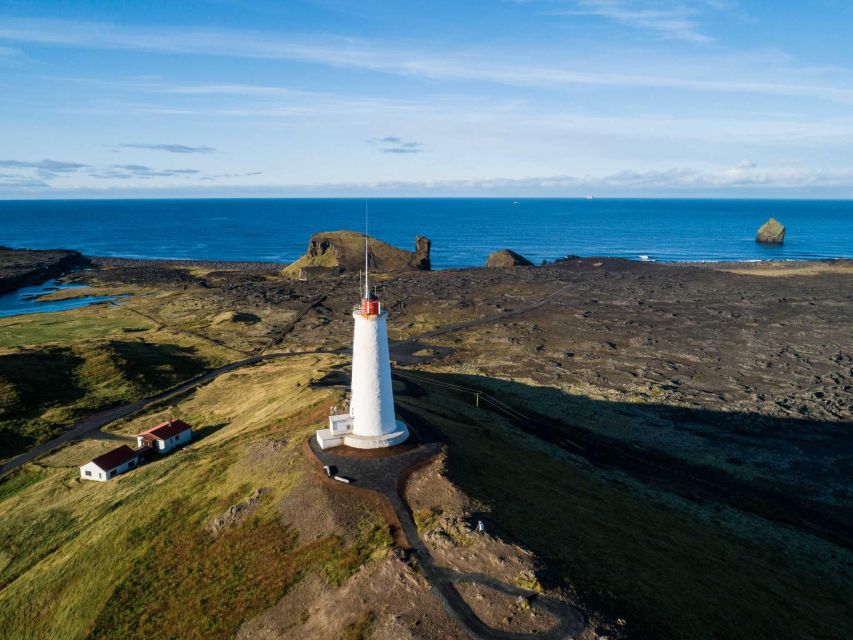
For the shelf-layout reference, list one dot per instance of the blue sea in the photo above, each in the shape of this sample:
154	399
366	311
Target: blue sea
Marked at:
463	230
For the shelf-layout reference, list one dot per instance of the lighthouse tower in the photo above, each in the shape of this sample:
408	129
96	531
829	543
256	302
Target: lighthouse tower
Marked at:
370	423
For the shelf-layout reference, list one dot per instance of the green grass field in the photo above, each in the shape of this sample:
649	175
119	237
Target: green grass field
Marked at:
67	326
131	557
58	367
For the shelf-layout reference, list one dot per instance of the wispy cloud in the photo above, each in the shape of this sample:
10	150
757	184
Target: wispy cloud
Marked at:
128	171
671	19
44	168
219	176
361	54
745	178
395	144
13	182
677	180
9	56
42	172
171	148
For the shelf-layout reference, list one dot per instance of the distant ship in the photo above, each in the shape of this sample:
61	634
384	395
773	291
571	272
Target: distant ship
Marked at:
590	197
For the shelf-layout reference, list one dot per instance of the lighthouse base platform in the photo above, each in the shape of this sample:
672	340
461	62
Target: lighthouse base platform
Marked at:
340	433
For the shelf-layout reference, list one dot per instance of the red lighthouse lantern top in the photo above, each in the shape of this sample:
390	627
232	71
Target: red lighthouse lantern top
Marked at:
370	306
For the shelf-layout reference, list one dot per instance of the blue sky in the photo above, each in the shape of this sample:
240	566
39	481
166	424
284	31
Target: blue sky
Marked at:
505	98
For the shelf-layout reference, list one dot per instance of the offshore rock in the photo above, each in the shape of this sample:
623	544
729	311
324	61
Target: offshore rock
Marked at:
507	258
771	232
335	252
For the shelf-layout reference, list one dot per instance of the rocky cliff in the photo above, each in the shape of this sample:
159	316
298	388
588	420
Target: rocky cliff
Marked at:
24	267
335	252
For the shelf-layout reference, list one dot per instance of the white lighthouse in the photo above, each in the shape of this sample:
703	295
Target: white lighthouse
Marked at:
370	423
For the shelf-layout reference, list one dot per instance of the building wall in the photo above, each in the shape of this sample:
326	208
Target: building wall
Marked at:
174	441
102	475
95	472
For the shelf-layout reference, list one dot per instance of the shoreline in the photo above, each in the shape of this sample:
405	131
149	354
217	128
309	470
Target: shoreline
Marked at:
274	267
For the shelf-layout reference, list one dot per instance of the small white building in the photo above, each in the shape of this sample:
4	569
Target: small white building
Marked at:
166	436
110	464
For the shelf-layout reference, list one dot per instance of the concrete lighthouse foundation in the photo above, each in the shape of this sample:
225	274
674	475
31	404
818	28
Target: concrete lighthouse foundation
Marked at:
370	423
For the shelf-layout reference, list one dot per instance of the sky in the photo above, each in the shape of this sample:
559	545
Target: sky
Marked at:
509	98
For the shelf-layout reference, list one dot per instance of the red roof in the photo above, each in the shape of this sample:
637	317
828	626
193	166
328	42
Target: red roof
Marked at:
167	429
116	457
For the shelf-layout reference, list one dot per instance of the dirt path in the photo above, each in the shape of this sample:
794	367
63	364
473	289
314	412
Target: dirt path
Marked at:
387	476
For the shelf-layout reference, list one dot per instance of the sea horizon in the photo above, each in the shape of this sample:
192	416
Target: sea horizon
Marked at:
464	230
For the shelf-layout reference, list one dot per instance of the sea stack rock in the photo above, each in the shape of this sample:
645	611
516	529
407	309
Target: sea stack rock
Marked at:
771	232
335	252
507	258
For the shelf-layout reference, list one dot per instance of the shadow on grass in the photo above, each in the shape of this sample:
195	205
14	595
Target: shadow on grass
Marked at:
30	383
204	432
682	548
156	366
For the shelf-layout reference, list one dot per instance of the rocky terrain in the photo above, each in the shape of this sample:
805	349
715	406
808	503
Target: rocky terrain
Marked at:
24	267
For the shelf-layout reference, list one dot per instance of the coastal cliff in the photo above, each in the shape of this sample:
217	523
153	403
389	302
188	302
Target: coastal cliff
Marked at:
335	252
24	267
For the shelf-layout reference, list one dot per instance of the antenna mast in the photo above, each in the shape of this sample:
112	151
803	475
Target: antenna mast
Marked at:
366	283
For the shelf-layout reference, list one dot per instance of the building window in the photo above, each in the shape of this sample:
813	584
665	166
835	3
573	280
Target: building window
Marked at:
87	473
112	473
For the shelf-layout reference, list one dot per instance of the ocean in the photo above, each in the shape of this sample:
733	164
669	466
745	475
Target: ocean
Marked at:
463	230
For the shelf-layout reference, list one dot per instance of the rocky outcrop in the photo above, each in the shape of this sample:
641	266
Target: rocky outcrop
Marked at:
335	252
236	513
771	232
507	258
25	267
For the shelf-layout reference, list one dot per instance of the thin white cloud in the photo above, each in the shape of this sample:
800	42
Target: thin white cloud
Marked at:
745	177
396	145
10	57
352	53
171	148
671	19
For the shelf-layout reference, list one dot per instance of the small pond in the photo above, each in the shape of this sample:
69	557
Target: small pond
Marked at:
27	299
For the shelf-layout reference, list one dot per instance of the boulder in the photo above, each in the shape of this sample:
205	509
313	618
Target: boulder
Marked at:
771	232
335	252
507	258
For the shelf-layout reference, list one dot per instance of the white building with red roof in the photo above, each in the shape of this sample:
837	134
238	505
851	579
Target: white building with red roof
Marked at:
110	464
166	436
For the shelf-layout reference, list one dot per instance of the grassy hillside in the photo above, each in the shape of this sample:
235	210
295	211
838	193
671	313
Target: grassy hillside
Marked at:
132	558
674	567
58	367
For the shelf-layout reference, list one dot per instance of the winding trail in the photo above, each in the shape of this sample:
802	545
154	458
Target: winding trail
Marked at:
387	476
